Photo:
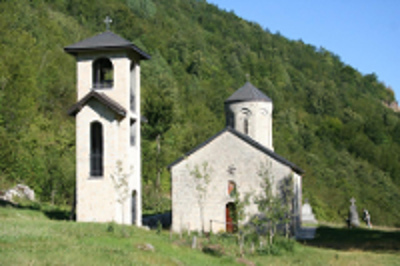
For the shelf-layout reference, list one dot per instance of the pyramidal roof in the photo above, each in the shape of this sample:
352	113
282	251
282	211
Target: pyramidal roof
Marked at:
248	93
105	41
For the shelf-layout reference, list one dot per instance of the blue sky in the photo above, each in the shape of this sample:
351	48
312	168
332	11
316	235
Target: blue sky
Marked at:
364	34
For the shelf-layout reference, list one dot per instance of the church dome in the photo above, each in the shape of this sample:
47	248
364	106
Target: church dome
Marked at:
249	111
248	93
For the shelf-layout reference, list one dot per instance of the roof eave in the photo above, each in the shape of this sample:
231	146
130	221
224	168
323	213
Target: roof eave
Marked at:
77	50
77	107
241	101
246	139
187	154
267	151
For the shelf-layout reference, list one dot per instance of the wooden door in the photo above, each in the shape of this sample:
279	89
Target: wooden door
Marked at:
229	209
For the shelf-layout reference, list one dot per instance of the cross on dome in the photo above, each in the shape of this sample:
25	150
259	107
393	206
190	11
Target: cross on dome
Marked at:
108	21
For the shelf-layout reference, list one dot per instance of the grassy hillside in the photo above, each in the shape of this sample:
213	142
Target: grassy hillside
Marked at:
328	118
28	237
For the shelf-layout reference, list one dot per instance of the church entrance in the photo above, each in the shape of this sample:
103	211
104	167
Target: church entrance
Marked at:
230	210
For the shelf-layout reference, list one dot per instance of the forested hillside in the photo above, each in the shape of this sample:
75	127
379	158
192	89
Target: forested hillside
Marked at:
328	118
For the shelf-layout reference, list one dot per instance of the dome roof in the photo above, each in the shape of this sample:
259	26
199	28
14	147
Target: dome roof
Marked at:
248	93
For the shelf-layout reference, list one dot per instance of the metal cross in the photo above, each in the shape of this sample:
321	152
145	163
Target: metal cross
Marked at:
248	77
353	201
108	21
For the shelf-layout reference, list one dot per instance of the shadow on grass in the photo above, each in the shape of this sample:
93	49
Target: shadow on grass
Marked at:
153	221
213	250
52	212
57	214
4	203
356	239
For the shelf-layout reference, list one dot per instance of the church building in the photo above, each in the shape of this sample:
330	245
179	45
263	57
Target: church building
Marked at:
107	114
204	179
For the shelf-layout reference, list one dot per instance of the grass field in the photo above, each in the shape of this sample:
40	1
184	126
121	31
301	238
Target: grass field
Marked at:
29	237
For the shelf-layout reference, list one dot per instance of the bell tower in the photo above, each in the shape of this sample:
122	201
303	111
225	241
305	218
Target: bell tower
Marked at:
107	114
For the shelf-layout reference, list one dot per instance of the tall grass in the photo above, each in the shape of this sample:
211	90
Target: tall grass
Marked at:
29	237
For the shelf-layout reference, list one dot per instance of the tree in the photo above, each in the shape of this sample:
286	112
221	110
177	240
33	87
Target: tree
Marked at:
287	192
240	215
121	185
273	209
202	178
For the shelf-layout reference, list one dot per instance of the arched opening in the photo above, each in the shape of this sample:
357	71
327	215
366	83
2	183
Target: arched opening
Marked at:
103	74
231	217
133	87
246	114
231	188
96	149
230	116
133	133
134	206
246	126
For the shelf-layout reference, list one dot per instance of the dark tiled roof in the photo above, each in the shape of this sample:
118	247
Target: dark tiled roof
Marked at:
247	139
248	93
105	41
101	97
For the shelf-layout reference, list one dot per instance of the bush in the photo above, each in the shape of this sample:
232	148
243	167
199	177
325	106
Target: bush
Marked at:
280	246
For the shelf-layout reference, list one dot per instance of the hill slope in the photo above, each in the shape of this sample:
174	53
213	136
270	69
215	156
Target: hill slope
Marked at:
328	118
29	237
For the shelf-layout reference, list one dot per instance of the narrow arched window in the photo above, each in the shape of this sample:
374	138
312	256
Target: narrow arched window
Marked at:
232	120
103	74
134	202
231	188
246	126
96	149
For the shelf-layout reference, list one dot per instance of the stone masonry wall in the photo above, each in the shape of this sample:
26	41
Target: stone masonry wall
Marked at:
259	115
225	152
96	196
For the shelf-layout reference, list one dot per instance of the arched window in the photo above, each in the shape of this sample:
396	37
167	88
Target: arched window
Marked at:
96	149
246	126
232	117
134	199
103	74
264	112
246	114
231	188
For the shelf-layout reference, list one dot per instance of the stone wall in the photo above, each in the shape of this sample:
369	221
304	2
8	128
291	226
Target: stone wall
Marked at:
259	116
229	159
96	196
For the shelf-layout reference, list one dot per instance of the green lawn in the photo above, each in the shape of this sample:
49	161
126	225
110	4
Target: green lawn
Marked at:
29	237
